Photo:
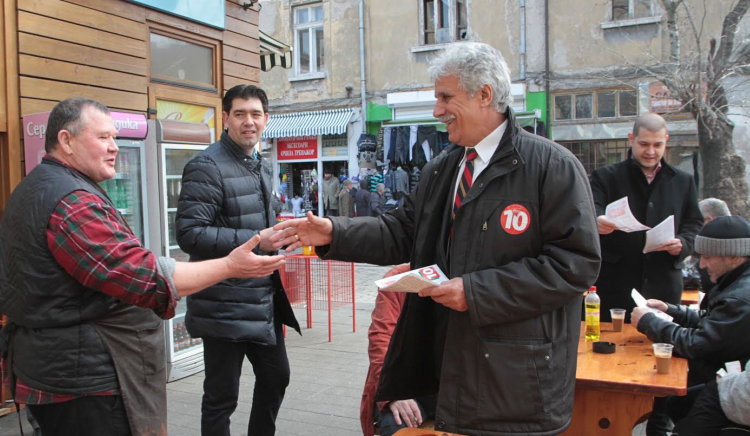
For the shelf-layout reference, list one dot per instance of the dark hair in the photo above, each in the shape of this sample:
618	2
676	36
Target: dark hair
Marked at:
66	115
245	92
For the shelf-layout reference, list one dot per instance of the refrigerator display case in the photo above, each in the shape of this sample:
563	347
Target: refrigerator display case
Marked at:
170	146
128	189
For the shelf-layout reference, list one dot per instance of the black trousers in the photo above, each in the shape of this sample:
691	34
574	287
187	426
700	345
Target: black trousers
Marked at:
705	418
85	416
223	361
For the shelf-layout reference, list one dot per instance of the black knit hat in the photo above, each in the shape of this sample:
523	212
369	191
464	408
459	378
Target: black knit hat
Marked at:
727	236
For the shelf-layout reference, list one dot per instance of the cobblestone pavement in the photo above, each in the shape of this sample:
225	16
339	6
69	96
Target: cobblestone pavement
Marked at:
326	382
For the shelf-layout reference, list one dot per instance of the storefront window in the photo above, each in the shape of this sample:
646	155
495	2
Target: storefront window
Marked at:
178	62
563	107
335	145
584	106
597	154
606	104
628	103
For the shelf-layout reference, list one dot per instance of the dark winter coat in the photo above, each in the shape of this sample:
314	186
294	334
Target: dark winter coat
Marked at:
712	337
508	364
624	266
346	203
376	204
362	199
225	200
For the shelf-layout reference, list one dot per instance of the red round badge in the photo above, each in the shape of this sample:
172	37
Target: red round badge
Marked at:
515	219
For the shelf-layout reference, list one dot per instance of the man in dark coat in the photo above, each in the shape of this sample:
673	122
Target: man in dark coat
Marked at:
712	337
362	198
226	199
655	190
509	218
377	201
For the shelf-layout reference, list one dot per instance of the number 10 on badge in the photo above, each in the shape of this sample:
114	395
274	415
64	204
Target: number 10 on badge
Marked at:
515	219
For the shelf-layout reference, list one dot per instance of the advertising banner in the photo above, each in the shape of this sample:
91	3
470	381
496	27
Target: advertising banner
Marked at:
300	147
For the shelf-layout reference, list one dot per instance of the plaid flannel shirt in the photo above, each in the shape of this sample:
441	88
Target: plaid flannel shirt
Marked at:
87	238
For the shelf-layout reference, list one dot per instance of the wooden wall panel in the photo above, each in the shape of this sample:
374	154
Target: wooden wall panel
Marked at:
85	17
230	81
241	41
240	56
241	71
235	11
85	75
44	26
242	27
52	90
61	50
11	153
119	8
34	106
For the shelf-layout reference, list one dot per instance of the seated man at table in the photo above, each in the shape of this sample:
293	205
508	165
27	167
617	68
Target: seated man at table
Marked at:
722	404
711	337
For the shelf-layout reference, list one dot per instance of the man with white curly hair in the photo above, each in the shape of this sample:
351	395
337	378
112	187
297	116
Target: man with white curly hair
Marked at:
508	216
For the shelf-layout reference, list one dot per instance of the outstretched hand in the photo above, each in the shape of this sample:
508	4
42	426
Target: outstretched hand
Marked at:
243	263
311	230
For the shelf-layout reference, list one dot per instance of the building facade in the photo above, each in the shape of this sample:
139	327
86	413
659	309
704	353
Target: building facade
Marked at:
580	68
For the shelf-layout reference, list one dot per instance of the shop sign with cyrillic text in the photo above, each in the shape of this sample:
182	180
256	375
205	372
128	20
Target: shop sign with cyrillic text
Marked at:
300	147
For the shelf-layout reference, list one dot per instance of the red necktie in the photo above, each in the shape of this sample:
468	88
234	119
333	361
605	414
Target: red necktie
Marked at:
466	178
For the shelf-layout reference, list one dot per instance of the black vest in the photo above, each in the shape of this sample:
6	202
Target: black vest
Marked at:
55	349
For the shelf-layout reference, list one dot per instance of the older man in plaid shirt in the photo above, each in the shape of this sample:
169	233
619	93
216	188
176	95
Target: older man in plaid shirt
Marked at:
84	298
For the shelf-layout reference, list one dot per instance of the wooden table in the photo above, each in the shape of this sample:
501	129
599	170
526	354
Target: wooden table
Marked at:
690	297
615	392
422	432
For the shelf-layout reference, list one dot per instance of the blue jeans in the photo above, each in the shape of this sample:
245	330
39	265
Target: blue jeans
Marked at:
387	423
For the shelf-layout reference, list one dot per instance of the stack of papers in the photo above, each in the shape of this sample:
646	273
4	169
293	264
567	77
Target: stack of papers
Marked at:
413	281
620	214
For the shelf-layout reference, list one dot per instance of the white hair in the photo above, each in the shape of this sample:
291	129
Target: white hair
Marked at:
714	208
475	64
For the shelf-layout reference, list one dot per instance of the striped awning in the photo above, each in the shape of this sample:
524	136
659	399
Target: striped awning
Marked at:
274	53
328	122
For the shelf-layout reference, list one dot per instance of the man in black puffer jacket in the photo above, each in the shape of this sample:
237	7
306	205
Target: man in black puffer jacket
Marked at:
226	199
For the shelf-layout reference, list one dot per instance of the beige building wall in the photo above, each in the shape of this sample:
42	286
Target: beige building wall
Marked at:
341	35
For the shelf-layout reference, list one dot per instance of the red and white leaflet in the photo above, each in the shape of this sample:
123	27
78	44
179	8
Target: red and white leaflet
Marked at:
619	213
413	281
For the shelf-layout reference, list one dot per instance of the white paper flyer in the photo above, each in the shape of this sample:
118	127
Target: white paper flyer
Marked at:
619	213
413	281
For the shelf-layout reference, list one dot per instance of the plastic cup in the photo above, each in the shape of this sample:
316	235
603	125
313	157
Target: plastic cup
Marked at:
663	354
618	319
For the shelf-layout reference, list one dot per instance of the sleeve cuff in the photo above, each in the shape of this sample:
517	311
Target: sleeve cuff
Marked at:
165	268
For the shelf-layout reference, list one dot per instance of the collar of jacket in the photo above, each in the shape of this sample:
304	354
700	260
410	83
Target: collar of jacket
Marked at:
730	277
666	171
237	151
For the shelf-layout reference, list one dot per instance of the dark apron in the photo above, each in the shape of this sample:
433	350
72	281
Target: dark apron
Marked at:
135	339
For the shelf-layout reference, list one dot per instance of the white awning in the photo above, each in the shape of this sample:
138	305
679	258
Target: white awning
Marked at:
328	122
274	53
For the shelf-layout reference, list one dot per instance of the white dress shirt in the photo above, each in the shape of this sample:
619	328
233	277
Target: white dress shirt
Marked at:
485	149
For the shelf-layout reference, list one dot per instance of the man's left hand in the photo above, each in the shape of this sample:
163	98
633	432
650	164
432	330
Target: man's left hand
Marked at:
672	246
450	294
